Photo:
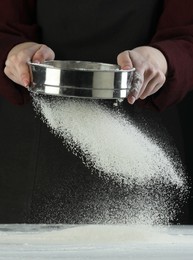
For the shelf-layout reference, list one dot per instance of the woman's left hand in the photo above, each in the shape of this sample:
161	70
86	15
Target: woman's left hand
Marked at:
150	73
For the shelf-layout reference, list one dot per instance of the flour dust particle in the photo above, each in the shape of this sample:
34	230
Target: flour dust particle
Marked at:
111	144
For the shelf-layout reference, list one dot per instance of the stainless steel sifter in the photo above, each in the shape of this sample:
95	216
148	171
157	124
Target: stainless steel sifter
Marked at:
82	79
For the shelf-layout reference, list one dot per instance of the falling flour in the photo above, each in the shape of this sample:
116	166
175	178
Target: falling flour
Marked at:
111	144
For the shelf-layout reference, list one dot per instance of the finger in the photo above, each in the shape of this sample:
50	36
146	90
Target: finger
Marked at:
153	86
124	60
42	54
25	78
146	81
150	90
20	73
137	83
23	74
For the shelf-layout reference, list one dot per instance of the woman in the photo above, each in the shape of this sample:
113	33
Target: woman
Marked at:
159	37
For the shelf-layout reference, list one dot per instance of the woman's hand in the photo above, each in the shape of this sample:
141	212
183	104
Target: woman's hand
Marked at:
16	67
150	74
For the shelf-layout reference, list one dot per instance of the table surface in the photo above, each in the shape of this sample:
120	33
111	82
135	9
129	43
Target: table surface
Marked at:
24	241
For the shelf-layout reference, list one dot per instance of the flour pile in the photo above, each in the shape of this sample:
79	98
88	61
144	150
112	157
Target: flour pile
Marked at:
112	145
88	235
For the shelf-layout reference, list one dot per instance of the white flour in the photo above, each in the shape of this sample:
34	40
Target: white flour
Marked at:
99	242
91	235
113	145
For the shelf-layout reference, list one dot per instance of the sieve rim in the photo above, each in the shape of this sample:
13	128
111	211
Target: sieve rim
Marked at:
83	66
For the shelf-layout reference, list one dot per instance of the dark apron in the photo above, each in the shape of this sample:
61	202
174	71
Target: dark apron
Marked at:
40	180
96	30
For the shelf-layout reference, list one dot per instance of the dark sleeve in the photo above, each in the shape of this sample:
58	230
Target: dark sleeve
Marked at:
174	37
17	25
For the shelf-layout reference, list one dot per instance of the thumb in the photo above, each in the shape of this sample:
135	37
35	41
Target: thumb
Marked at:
124	60
42	54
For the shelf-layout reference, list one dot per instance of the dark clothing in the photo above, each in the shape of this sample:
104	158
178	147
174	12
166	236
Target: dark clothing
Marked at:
104	23
173	36
40	180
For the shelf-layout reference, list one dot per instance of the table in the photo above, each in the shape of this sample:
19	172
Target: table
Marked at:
24	241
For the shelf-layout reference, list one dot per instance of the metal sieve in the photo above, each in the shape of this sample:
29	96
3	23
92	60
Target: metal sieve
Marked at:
82	79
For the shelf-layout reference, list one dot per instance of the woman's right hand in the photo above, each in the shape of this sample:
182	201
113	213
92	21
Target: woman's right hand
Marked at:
16	67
